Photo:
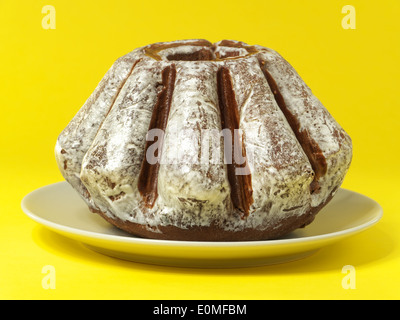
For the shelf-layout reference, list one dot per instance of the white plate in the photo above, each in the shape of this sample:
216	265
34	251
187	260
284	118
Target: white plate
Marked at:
59	208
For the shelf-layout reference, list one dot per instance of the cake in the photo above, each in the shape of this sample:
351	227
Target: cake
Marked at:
195	141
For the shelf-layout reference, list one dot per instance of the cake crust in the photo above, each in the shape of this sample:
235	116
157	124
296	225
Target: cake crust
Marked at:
213	232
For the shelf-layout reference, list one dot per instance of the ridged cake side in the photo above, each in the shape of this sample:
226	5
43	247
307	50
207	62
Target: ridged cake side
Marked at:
327	145
75	140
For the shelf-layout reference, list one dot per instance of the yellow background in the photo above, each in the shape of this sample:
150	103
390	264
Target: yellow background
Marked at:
46	75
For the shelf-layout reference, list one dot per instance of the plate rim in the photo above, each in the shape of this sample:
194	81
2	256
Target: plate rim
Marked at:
179	243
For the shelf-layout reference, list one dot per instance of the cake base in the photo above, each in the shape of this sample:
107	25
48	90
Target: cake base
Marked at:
214	232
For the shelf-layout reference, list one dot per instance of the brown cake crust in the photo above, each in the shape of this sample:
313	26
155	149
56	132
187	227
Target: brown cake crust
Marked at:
213	232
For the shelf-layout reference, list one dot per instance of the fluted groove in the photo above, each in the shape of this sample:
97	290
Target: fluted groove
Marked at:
310	147
241	189
148	176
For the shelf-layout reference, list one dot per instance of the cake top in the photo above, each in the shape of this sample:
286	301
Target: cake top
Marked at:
199	50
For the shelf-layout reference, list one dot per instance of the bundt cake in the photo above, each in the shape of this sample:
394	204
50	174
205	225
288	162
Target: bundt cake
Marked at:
189	140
